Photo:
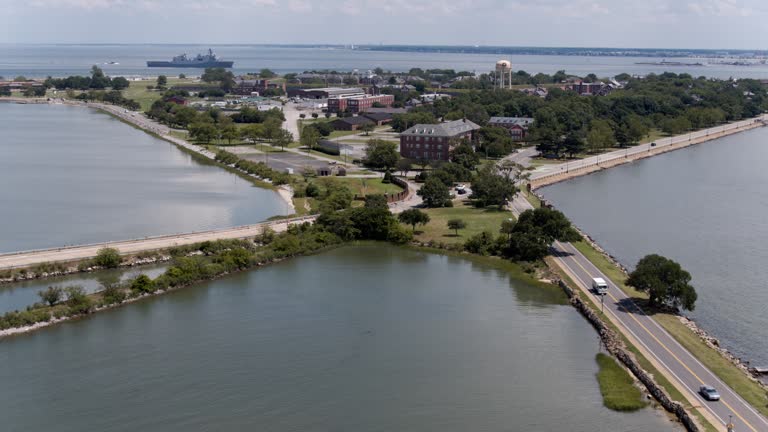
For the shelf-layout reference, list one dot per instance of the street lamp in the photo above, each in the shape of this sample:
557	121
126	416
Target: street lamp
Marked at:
602	302
730	426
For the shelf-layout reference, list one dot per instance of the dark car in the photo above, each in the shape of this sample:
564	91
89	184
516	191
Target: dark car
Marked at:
709	393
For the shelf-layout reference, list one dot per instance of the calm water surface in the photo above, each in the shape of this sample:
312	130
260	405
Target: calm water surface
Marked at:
62	60
705	207
360	338
72	175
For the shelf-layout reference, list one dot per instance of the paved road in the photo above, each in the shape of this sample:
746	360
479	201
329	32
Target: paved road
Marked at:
23	259
674	360
702	135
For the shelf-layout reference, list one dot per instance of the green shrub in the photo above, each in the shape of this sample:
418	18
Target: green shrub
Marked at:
107	258
78	301
113	294
143	284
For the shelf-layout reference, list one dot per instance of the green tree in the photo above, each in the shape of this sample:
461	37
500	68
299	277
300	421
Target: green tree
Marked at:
120	83
376	201
309	138
491	187
600	135
404	165
283	139
381	154
272	127
52	295
267	73
107	258
367	128
434	193
203	132
464	155
252	132
413	217
456	225
162	81
573	144
665	281
229	132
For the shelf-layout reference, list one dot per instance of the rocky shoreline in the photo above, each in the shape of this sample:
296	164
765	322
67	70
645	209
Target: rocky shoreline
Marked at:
27	275
708	339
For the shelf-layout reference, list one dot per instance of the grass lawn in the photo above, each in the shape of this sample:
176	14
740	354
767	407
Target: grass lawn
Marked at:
724	369
477	219
617	386
368	186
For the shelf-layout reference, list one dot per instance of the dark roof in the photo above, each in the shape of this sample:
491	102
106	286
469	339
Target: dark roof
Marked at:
378	116
447	129
386	110
511	121
353	120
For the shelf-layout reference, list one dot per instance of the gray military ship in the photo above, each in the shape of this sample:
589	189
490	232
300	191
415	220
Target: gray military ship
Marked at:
200	61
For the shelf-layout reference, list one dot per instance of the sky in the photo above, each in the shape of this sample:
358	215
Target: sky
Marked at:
735	24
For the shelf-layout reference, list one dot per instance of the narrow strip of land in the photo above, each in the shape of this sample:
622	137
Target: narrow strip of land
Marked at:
75	253
559	172
677	363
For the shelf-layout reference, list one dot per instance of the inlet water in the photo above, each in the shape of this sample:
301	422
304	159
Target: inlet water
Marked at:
72	175
360	338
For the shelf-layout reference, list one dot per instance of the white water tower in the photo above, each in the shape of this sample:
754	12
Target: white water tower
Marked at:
504	74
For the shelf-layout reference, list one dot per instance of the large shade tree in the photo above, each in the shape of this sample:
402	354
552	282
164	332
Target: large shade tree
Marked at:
665	281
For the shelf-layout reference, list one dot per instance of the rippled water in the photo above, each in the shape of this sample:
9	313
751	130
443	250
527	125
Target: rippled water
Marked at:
63	60
360	338
703	206
71	175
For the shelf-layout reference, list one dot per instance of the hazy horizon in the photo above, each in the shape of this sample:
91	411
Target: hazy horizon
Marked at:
661	24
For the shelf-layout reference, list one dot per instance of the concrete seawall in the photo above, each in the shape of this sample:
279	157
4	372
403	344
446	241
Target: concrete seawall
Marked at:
597	163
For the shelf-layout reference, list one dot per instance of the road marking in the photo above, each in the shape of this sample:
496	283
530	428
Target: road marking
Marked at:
632	315
735	395
642	343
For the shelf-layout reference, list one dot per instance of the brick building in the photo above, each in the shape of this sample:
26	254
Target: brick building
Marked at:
357	104
435	141
517	126
250	86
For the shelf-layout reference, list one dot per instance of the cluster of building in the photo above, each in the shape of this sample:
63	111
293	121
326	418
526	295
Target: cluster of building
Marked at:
344	99
247	86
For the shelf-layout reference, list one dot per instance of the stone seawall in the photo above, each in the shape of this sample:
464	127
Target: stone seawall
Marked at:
616	347
610	160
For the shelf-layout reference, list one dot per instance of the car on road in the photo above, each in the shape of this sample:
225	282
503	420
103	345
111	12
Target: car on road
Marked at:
709	393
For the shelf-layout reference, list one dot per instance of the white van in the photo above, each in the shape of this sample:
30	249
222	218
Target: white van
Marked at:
599	286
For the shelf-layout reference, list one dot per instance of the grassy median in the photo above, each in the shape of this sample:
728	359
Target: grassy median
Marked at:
617	386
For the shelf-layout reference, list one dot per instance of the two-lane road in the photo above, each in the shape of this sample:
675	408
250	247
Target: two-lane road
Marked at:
664	349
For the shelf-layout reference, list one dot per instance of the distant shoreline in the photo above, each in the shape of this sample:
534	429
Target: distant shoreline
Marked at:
472	49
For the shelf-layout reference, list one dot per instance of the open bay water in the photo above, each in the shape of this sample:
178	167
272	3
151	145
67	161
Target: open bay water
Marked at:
705	207
73	175
360	338
39	61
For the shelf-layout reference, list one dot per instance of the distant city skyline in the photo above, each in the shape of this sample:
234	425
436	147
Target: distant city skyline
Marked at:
668	24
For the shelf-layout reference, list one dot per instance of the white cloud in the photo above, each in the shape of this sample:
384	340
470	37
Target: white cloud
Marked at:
300	6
